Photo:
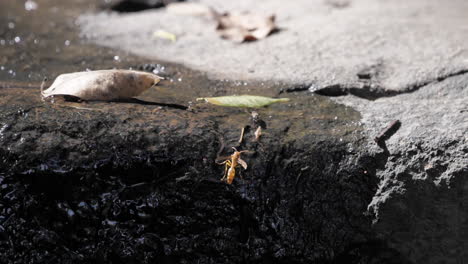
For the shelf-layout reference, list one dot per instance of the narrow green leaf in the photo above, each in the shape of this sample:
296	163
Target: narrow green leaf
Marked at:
243	100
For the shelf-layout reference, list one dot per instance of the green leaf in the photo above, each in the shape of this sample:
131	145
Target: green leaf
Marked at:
243	100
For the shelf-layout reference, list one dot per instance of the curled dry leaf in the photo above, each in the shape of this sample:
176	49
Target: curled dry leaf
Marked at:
238	27
245	26
103	85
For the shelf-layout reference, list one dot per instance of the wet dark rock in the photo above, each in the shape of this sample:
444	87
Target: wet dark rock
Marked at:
132	183
156	68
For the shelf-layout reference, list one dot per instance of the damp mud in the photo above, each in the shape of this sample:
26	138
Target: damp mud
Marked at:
137	181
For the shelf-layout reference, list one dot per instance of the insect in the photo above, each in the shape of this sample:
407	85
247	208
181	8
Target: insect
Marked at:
231	163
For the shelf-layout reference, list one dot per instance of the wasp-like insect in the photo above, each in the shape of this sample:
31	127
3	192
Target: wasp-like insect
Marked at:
231	163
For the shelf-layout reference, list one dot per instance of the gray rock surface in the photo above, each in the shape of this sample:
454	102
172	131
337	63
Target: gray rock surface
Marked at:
403	44
420	205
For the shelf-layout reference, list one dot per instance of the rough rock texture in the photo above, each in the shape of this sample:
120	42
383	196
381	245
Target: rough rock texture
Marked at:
132	183
420	206
377	46
409	57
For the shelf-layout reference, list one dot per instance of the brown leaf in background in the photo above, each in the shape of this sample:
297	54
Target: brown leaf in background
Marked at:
238	27
245	26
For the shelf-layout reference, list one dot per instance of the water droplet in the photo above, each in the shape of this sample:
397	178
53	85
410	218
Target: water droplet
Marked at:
2	68
67	42
17	39
36	41
116	58
158	69
70	212
110	222
2	42
180	79
30	5
336	117
11	25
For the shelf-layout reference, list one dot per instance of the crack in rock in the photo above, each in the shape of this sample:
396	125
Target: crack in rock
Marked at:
372	91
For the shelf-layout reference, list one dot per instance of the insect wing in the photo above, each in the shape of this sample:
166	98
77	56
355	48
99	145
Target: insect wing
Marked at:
242	163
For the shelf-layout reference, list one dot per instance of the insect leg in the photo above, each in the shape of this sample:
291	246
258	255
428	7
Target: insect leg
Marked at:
221	163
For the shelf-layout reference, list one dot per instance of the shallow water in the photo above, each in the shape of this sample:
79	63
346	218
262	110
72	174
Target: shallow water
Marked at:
44	42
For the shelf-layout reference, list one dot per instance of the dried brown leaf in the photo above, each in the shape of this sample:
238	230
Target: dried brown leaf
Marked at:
245	26
102	85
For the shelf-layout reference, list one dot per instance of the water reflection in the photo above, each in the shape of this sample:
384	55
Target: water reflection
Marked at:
30	5
45	43
38	40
